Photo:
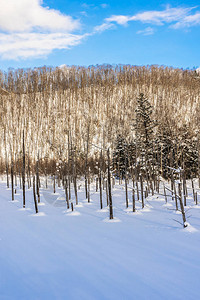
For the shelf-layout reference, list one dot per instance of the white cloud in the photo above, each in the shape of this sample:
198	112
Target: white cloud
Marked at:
28	15
119	19
174	17
103	27
28	45
146	31
153	17
29	30
188	21
160	17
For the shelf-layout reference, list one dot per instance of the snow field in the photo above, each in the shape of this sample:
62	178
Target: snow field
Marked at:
60	254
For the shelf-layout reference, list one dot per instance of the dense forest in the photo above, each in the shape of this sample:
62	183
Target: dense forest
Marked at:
67	118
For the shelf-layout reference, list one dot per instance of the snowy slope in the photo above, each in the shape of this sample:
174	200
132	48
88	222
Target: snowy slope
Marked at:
80	255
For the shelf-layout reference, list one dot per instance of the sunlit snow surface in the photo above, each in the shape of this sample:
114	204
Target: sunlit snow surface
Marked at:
60	254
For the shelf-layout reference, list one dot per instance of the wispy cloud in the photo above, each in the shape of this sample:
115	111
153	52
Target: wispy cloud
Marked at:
161	17
33	45
174	17
103	27
27	29
87	6
104	5
188	21
119	19
146	31
153	17
94	6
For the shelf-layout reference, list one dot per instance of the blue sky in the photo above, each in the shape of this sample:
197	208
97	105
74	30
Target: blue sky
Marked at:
35	33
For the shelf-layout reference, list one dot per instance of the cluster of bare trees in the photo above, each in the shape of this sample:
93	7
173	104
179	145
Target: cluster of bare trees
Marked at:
136	124
68	114
141	178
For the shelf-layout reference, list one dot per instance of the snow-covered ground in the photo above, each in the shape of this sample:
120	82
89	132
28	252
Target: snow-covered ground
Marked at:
59	254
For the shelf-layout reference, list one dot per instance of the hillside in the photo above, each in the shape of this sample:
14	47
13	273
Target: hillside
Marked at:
56	107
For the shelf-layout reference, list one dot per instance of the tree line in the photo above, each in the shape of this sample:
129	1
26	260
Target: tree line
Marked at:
68	117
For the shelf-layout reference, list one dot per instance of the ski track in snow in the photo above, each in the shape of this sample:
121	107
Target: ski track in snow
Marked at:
60	254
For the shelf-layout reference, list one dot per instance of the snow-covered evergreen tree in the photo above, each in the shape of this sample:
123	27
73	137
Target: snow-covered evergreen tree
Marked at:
144	135
120	156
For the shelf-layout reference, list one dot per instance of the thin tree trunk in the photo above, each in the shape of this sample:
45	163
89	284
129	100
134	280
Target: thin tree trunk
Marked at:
142	196
34	195
193	190
100	189
109	187
196	200
175	194
66	193
138	195
54	184
38	179
12	179
75	190
107	197
133	197
23	173
126	190
165	194
182	206
69	184
88	189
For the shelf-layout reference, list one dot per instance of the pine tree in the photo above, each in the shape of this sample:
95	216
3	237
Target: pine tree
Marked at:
188	152
166	148
120	156
144	136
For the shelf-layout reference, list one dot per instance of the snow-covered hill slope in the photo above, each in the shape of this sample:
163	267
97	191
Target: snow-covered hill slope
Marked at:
59	254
